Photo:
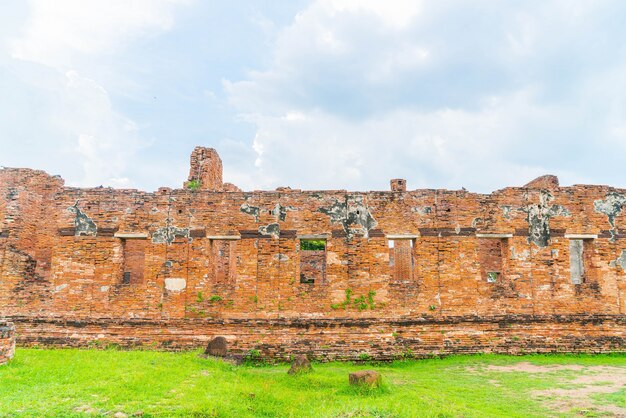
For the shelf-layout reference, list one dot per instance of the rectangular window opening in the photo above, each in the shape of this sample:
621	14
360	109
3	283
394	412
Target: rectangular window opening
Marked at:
491	254
401	260
134	260
225	259
579	259
312	260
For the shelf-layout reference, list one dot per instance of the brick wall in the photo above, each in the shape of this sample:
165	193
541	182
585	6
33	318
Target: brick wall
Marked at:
347	338
7	341
181	262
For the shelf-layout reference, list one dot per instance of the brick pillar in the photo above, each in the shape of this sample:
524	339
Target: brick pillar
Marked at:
398	185
205	171
7	341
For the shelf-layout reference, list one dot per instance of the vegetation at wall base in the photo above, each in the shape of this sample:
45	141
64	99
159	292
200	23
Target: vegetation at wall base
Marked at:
72	382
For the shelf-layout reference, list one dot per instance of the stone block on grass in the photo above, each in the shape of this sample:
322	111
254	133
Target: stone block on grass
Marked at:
300	364
365	378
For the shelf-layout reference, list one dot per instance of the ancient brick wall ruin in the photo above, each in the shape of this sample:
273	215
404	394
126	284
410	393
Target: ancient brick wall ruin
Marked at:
534	268
7	341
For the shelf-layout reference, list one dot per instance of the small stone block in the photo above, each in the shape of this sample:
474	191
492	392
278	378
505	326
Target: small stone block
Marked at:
301	364
7	341
367	378
217	347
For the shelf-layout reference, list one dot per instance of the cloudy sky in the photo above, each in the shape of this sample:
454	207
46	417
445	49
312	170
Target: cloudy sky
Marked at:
316	94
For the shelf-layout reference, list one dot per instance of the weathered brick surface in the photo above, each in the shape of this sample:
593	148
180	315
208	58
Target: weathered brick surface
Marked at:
7	341
206	169
346	338
175	268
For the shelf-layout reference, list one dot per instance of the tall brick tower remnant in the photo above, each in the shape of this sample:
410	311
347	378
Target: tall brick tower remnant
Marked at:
205	171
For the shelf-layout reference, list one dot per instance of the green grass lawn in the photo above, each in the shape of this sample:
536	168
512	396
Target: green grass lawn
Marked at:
103	383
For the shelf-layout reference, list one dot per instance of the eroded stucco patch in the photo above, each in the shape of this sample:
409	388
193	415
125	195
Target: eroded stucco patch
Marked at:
538	217
168	234
349	213
422	210
271	229
611	206
506	211
281	257
83	224
280	211
621	261
251	210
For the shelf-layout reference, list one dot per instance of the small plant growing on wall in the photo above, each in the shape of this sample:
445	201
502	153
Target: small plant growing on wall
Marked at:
370	299
361	302
215	298
194	185
364	357
432	307
492	277
407	354
253	356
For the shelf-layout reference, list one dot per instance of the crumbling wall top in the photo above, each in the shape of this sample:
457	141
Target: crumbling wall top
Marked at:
547	182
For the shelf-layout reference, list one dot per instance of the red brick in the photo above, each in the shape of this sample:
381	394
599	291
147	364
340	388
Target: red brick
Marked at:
218	261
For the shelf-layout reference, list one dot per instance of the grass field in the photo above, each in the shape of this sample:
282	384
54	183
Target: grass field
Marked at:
143	383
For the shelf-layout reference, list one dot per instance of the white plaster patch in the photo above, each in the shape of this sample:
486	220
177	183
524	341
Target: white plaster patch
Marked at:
332	258
523	256
175	285
281	257
104	288
60	287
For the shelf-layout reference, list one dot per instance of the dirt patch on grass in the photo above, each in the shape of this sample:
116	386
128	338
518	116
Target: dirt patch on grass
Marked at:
576	390
534	368
594	380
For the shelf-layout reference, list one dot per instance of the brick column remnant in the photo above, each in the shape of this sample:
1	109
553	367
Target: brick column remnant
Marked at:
398	185
205	171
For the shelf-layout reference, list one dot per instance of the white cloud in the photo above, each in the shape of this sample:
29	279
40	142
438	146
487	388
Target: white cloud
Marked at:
107	141
62	40
59	32
350	93
396	13
444	94
432	149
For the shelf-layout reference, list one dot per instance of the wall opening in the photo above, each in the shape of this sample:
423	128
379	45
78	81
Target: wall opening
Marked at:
225	259
401	261
580	251
134	260
491	255
312	260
